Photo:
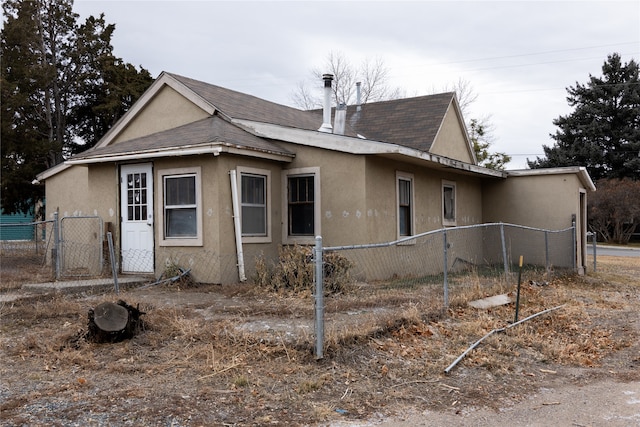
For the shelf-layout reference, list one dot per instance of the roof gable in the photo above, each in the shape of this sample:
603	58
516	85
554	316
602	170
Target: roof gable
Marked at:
410	122
452	139
156	88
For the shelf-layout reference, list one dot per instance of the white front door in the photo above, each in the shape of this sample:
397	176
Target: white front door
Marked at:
136	207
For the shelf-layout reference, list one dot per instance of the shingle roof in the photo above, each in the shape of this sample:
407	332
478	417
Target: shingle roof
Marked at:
240	105
210	130
411	122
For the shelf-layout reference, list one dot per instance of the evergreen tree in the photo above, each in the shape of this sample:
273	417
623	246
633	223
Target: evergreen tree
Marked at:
481	143
112	89
603	131
59	81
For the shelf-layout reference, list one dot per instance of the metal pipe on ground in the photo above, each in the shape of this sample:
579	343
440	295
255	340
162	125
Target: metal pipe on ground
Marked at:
474	345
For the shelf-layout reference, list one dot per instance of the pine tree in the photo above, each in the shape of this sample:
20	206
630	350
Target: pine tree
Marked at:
481	143
58	97
603	131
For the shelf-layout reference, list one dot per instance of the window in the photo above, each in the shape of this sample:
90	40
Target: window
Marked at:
302	205
448	203
405	204
254	204
182	221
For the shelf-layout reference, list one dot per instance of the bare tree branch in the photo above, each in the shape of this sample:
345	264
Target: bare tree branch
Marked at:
303	98
464	92
373	74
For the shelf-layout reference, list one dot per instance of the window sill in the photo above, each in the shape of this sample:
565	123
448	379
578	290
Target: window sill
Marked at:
180	242
251	239
300	240
408	242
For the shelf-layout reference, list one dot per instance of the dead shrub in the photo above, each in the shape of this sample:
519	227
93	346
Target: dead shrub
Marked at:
294	271
336	272
175	275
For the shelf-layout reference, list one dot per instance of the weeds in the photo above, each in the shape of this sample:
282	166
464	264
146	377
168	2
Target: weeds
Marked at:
240	381
386	345
294	271
175	275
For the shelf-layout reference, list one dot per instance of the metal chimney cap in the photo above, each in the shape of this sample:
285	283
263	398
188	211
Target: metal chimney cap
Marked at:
327	77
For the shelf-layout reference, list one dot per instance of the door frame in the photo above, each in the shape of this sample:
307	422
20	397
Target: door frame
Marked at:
148	260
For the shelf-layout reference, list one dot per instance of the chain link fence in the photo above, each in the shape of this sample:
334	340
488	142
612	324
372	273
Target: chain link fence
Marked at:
28	239
487	249
71	247
81	247
446	267
76	247
205	266
24	249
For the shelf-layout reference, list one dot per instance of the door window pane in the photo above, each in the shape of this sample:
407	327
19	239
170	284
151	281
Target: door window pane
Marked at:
136	196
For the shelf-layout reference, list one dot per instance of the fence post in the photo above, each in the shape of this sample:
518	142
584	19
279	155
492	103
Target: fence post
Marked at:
56	245
574	243
546	250
112	257
446	278
319	298
504	251
35	235
594	242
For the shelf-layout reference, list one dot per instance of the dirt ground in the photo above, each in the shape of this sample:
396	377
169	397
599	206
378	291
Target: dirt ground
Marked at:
240	356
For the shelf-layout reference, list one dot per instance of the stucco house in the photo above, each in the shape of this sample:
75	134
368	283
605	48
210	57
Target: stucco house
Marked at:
169	176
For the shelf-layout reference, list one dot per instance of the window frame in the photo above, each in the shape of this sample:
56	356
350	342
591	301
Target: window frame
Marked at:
247	171
404	176
163	174
300	172
448	222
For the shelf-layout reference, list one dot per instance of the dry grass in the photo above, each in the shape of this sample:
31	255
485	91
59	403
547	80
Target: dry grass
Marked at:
15	271
206	358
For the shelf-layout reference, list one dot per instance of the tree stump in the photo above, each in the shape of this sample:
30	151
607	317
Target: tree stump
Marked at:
114	322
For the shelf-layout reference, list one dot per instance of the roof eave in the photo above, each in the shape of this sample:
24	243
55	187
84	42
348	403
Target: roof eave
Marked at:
580	171
213	149
44	175
359	146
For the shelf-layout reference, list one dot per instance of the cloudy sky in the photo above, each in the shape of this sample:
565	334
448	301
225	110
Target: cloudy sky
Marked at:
518	56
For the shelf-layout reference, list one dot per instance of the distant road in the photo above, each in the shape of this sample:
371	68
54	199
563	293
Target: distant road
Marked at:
613	251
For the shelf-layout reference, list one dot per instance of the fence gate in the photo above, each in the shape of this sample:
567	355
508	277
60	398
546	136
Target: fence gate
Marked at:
81	246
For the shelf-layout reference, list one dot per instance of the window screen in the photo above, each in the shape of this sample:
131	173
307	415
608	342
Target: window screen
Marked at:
254	205
449	202
301	201
180	206
404	207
